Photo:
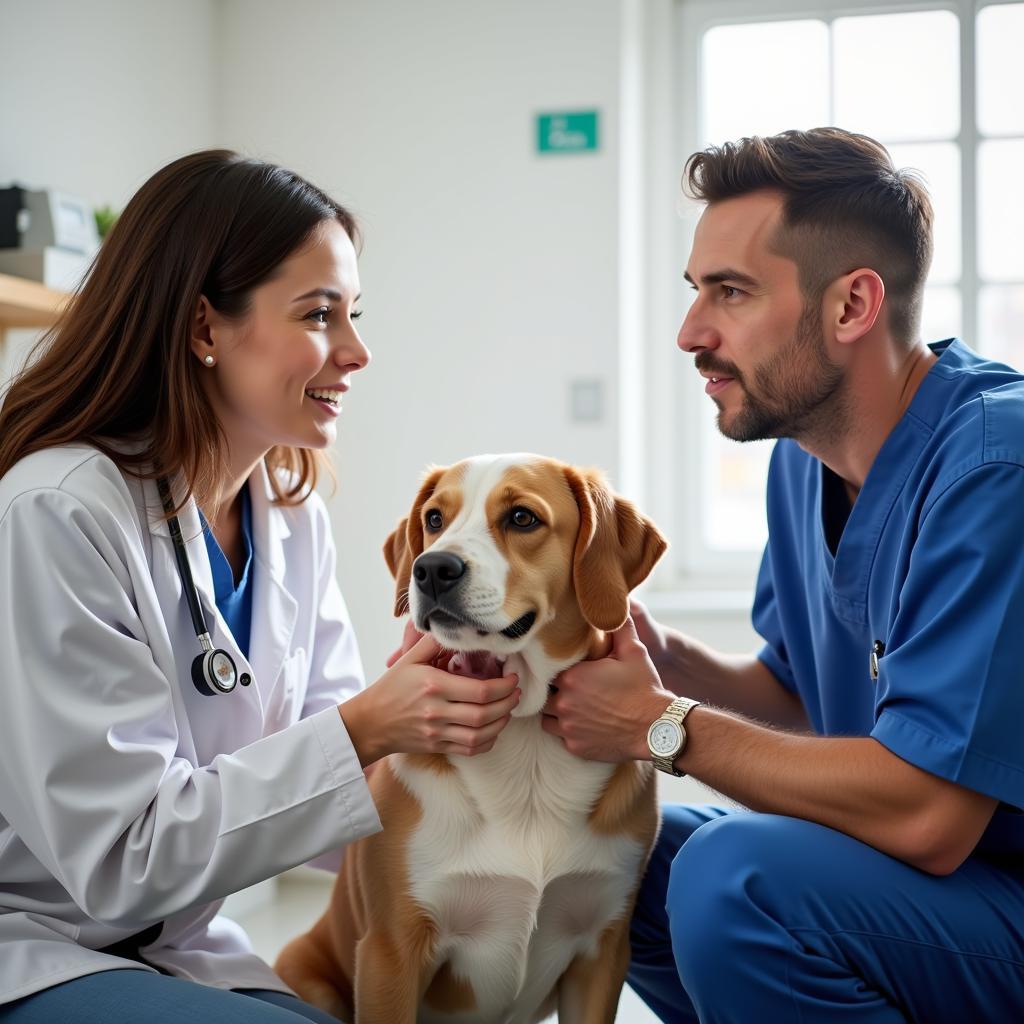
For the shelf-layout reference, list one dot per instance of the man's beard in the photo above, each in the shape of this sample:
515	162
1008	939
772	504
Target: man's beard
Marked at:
798	392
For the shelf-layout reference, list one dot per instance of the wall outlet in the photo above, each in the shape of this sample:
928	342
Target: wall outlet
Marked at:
586	400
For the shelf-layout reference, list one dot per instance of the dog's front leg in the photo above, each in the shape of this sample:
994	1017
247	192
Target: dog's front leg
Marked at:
387	984
588	991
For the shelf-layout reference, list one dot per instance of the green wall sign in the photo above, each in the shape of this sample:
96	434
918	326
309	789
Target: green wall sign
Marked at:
574	132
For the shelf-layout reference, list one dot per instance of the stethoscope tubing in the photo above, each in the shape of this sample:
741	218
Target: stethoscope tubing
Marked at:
195	609
213	669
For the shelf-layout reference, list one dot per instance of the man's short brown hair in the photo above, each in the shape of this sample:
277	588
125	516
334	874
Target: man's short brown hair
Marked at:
845	205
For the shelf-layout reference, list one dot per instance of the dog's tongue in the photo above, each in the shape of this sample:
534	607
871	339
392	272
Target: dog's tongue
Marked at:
476	664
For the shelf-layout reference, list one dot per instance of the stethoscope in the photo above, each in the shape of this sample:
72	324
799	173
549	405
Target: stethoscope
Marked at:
213	670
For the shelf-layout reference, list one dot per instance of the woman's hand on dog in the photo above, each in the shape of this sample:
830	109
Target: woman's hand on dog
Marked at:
410	638
601	709
416	707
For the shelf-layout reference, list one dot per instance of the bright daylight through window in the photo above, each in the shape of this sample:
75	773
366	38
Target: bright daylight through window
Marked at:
947	108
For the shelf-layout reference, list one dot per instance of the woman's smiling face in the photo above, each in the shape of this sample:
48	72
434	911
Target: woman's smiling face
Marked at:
298	335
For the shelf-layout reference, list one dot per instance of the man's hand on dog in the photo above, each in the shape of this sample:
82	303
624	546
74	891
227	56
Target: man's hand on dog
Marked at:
601	710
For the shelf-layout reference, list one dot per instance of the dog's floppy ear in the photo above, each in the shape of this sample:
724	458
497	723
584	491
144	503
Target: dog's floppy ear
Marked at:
405	542
616	548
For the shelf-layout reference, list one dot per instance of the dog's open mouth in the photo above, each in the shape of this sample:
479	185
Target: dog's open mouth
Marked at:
478	664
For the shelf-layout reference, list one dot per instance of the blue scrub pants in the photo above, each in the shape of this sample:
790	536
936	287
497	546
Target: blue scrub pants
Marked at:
746	917
112	997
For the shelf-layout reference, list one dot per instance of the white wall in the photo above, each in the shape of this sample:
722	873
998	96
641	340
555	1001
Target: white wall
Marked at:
95	95
491	274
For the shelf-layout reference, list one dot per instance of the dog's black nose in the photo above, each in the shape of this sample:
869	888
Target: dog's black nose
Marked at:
436	572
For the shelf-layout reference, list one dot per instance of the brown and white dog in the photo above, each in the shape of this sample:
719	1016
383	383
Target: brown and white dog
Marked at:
502	885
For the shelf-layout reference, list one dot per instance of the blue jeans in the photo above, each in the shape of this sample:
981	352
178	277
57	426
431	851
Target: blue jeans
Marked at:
747	917
129	995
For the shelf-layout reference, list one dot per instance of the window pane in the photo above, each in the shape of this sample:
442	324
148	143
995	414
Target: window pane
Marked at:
733	515
897	76
762	79
1000	210
1001	312
939	164
1000	69
942	314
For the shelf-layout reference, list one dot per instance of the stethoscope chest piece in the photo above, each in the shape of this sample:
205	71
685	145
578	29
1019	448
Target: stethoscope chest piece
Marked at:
214	672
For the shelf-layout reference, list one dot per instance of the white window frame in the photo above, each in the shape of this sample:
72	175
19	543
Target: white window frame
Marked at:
660	468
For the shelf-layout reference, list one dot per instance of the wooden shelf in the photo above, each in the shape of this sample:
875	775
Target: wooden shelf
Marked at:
25	303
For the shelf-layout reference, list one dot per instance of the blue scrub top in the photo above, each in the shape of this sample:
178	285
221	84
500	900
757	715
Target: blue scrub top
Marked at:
234	603
930	563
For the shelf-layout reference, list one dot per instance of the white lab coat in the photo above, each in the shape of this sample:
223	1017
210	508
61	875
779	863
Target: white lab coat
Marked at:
127	797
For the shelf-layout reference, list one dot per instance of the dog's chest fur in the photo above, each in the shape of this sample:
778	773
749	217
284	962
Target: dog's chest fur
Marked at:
505	863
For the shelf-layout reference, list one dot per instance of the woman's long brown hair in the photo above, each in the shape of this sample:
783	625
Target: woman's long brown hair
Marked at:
118	365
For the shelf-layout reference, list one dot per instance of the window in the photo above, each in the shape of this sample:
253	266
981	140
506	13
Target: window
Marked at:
942	86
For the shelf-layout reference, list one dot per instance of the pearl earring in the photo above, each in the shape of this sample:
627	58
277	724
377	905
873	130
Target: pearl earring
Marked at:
208	360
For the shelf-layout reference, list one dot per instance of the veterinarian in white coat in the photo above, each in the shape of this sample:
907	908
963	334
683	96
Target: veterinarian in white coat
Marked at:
131	803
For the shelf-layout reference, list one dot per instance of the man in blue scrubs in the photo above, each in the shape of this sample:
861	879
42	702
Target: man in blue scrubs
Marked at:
876	737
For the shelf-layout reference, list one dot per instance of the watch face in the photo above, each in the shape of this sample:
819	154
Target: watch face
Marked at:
665	737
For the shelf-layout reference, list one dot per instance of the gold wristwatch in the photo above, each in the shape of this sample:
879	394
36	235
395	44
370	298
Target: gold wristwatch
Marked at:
666	737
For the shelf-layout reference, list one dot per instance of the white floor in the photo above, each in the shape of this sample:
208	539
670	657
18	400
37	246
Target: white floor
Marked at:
300	898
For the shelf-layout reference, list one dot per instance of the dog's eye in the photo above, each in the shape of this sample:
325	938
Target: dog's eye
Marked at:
434	520
522	519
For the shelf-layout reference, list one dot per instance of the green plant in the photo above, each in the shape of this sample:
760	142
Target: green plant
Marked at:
105	218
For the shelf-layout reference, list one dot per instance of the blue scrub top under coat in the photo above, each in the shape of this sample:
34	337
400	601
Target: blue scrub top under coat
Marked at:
234	603
931	563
